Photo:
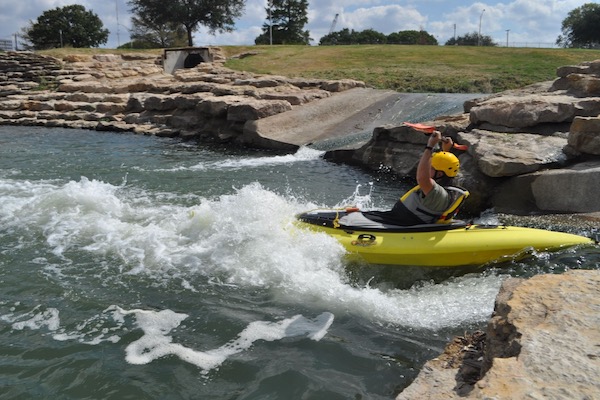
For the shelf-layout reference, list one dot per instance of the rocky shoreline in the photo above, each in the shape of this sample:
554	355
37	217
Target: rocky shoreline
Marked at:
542	142
542	342
131	93
535	150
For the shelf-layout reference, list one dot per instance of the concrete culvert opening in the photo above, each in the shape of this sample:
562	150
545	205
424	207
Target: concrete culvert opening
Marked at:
192	60
186	57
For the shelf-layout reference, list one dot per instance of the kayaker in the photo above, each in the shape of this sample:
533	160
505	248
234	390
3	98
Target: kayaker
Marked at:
431	198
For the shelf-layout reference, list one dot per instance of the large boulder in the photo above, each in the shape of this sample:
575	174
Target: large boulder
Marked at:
397	147
584	136
541	343
579	80
509	154
580	85
256	109
573	189
535	109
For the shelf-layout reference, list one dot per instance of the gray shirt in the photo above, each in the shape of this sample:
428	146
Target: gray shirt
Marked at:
437	199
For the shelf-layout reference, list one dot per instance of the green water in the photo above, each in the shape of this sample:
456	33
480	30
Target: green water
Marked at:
136	267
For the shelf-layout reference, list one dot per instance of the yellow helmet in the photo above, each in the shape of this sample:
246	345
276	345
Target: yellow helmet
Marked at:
446	162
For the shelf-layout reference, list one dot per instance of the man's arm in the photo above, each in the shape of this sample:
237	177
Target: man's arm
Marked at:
424	168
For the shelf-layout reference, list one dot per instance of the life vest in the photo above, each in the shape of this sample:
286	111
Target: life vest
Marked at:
413	204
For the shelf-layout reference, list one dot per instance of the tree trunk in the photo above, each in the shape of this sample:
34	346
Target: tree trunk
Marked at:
190	37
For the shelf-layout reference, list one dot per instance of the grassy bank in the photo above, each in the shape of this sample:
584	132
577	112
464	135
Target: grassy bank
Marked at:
435	69
452	69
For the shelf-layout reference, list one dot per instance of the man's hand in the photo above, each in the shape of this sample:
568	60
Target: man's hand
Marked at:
434	139
447	143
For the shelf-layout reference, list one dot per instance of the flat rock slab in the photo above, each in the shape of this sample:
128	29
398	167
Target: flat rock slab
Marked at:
338	115
348	114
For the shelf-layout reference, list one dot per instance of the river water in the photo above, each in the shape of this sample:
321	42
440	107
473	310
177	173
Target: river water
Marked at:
137	267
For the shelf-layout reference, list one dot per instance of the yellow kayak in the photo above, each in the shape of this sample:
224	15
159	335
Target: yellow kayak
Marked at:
452	244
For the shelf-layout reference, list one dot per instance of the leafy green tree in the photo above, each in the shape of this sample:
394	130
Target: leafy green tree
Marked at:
148	34
345	37
69	26
471	39
340	37
370	36
581	28
216	15
412	37
285	23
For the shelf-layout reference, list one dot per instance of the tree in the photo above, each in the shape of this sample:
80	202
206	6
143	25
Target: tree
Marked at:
340	37
345	36
285	22
471	39
370	36
412	37
581	27
71	26
216	15
148	34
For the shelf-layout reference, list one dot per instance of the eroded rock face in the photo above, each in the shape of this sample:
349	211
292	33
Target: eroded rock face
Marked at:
541	342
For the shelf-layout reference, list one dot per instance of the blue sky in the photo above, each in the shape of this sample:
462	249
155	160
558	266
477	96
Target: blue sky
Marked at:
535	23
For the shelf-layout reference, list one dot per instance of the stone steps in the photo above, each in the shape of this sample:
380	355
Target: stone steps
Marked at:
129	93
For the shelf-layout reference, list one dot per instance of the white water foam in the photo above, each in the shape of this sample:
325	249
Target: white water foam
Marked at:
37	318
156	341
303	154
246	239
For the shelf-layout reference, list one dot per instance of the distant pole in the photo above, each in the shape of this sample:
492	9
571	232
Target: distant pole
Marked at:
118	38
479	37
16	42
508	30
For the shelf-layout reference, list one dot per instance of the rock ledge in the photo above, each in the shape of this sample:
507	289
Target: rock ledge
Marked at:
542	342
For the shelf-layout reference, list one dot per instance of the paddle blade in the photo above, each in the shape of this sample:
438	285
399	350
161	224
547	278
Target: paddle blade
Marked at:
428	129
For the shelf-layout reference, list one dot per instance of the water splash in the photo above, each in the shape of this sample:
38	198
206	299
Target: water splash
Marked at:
302	155
247	239
362	201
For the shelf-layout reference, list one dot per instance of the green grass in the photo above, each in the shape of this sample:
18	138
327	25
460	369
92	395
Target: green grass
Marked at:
429	69
436	69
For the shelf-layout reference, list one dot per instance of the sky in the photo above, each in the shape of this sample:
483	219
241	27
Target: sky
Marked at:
521	23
